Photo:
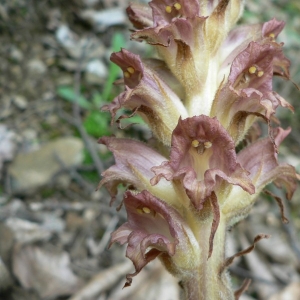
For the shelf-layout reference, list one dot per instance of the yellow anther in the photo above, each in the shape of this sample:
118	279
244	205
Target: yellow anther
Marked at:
260	73
272	35
207	145
146	210
168	9
126	74
131	70
195	143
139	210
252	70
177	6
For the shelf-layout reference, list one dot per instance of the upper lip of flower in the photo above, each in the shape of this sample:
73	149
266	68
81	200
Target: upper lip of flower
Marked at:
153	228
147	94
202	154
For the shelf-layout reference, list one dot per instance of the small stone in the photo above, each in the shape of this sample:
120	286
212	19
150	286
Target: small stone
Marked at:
20	102
97	67
30	171
105	18
37	66
16	55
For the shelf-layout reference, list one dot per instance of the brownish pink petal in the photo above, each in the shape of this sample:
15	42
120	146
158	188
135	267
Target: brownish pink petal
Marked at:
148	95
133	163
140	15
153	228
260	159
202	156
248	92
272	28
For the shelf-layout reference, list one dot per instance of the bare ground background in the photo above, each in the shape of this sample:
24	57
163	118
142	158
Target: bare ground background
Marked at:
54	226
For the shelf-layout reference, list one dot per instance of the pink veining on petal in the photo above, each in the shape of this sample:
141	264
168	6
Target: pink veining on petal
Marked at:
260	159
129	167
202	156
153	228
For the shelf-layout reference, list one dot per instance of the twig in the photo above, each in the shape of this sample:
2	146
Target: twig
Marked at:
291	233
238	271
97	249
76	120
86	139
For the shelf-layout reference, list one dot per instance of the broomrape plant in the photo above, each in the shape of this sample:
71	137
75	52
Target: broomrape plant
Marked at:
200	99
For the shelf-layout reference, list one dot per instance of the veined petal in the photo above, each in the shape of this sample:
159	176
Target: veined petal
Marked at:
239	38
248	92
164	11
133	163
260	159
147	94
272	28
202	157
140	15
154	228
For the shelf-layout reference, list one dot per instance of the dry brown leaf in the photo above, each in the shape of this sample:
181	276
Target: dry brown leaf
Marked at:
46	272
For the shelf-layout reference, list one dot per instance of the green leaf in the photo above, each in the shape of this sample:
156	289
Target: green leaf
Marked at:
97	124
97	100
67	93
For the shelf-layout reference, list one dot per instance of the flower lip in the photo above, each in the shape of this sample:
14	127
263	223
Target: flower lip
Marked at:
202	155
153	228
129	168
131	66
272	28
165	11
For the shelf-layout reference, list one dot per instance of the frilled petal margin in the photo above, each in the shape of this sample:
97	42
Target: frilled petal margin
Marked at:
133	163
146	93
260	159
202	156
153	228
248	92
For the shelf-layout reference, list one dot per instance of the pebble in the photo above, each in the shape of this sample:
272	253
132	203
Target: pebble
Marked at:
20	102
97	67
36	66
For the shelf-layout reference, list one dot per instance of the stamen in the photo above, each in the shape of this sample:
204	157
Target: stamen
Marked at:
139	210
207	145
131	70
272	35
260	73
168	9
126	74
177	6
252	70
146	210
195	143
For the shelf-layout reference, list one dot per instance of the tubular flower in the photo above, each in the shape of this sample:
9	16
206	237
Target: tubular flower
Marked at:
212	81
